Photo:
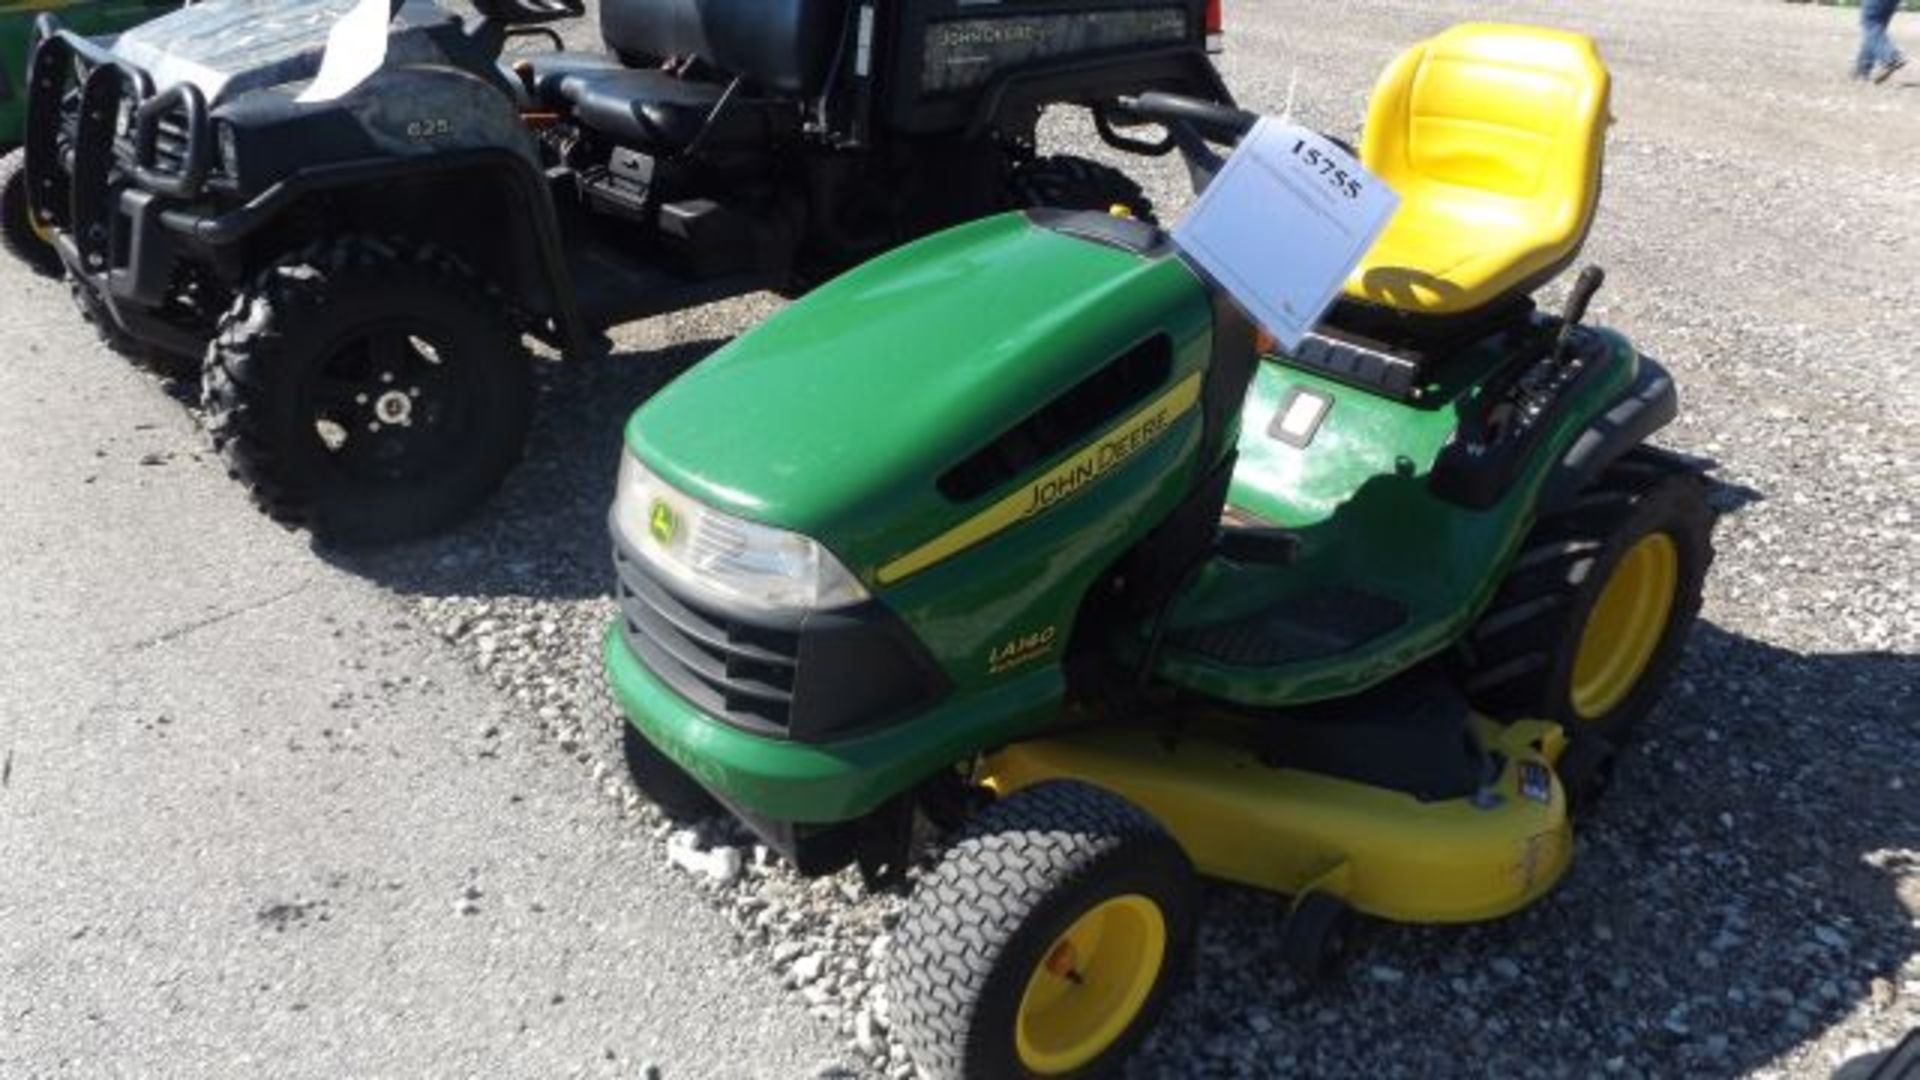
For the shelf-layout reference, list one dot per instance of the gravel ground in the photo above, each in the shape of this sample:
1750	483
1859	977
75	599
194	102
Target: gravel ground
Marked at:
1748	901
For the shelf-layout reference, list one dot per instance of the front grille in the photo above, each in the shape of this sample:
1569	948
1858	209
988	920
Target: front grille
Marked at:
170	143
814	676
734	670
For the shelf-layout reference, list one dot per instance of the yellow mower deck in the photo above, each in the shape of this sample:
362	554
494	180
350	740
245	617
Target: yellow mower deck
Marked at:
1383	852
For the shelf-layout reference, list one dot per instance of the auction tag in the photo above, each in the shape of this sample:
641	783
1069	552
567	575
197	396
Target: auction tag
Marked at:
356	48
1283	224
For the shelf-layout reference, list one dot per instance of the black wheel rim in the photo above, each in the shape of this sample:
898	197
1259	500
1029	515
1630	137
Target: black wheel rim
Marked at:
387	404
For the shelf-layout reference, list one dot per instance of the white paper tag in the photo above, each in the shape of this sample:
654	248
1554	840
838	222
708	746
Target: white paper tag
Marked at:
1284	223
356	47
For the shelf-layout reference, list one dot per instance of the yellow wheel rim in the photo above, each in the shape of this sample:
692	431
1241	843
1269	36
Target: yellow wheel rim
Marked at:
1625	626
1090	984
40	228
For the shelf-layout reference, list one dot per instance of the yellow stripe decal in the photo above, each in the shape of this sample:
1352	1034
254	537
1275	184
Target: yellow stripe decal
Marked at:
1058	484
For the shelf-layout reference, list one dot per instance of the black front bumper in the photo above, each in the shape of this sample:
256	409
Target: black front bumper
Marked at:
124	176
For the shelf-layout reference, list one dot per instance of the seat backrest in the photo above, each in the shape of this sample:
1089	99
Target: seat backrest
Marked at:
1512	117
783	45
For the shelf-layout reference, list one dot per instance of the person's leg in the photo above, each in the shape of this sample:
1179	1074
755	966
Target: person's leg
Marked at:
1874	17
1886	9
1889	58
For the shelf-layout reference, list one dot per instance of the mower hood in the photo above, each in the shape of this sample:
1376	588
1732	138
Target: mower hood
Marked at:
838	416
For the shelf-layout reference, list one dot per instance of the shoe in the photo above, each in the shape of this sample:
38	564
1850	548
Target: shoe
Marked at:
1892	66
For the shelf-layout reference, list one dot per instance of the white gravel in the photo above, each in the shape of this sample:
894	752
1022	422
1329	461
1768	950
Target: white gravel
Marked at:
1748	901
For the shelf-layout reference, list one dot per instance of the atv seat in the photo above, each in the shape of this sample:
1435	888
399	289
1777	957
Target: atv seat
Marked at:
779	49
783	46
1492	135
653	109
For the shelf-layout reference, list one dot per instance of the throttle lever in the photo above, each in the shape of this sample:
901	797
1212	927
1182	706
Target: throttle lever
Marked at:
1584	287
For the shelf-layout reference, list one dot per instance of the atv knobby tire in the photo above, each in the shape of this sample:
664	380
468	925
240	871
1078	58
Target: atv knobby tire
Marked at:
1520	659
392	344
999	908
17	233
1066	182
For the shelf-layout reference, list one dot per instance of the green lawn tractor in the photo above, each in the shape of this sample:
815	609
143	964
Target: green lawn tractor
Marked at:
356	251
1020	527
21	234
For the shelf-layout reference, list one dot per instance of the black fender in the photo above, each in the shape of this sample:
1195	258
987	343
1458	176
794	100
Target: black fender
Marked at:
1643	408
530	243
1179	69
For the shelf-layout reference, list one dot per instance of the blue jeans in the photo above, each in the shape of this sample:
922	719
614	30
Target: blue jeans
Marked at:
1875	47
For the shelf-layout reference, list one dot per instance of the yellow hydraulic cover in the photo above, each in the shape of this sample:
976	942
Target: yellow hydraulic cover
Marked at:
1288	831
1492	135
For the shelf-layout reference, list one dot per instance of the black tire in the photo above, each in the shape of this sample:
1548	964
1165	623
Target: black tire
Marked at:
993	914
1520	659
1075	183
315	374
1586	771
17	233
661	782
1316	938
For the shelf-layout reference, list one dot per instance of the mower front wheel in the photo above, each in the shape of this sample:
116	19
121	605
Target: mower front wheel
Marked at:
23	237
1047	940
370	389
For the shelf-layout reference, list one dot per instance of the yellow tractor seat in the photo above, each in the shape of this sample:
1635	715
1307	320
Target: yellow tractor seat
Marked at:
1492	135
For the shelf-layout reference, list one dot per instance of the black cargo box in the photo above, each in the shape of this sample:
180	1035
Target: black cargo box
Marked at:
947	53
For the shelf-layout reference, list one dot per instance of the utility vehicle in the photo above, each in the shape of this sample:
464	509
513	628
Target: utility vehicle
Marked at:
358	263
1019	527
20	234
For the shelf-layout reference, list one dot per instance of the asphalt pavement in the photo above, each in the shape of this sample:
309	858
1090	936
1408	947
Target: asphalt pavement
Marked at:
255	822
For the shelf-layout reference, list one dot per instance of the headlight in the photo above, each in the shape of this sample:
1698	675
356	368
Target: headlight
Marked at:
728	558
229	152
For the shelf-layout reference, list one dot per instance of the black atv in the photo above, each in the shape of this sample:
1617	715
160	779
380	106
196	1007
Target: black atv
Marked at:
359	260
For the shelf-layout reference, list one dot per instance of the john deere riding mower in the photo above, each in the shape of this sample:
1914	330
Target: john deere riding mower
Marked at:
355	212
1019	527
23	236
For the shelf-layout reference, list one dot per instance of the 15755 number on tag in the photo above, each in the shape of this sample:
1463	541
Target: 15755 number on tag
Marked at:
1328	169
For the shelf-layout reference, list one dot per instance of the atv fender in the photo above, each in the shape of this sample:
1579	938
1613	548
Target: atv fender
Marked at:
540	284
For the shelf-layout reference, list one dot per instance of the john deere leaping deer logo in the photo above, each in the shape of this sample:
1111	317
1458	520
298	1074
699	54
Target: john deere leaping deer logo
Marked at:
661	522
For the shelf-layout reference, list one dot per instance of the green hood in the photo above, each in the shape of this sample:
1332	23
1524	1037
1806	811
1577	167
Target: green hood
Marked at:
836	417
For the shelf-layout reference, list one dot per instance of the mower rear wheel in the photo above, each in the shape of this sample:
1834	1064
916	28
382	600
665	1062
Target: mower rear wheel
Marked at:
1066	182
1590	621
370	389
23	237
1047	940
